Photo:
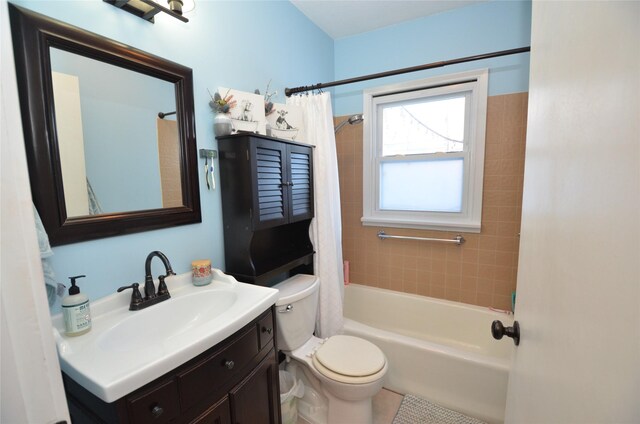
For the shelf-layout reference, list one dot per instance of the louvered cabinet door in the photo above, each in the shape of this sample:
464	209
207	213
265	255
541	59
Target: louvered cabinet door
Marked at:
271	203
300	182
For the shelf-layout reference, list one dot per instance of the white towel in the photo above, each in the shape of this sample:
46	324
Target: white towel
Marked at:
46	252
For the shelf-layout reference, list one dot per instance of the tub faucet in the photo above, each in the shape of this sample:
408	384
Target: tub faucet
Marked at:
149	287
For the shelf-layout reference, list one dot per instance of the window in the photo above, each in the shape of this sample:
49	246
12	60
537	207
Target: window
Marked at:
424	153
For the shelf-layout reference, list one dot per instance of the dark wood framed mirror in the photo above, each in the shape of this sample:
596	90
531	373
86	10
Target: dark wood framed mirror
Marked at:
109	132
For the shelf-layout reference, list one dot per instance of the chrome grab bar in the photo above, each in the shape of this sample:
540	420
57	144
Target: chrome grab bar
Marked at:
458	240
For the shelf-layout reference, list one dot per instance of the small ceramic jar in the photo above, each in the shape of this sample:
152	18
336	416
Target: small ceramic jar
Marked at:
201	272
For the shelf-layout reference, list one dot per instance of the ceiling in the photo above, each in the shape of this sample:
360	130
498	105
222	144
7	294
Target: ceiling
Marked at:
340	18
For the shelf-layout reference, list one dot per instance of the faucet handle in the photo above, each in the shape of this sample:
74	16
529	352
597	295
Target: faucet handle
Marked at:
162	286
136	297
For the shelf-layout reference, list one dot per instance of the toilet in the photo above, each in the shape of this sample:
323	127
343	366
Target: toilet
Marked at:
347	371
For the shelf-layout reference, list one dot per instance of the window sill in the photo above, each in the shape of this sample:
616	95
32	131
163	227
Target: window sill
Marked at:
465	227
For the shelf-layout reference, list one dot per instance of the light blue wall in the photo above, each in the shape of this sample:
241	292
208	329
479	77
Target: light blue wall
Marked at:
244	44
467	31
237	44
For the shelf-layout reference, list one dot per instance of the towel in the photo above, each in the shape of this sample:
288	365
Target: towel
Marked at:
94	205
45	253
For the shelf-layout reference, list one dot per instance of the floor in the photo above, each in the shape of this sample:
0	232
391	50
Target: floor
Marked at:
385	406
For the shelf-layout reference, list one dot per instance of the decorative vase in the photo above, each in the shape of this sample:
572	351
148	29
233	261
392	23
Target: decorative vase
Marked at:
222	125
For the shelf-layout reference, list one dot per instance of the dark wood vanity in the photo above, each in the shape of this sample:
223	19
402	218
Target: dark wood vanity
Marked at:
235	381
267	206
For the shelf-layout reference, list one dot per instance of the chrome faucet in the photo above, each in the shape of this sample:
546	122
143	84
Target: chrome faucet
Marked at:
151	297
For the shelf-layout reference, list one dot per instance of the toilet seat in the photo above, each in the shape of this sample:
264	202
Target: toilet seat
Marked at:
349	359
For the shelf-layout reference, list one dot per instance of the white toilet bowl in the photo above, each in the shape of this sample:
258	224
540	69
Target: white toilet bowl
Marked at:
347	370
348	396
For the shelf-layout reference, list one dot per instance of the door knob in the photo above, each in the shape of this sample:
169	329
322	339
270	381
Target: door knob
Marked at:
498	330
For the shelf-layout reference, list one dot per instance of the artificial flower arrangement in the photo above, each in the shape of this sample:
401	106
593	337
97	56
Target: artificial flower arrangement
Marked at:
221	104
268	104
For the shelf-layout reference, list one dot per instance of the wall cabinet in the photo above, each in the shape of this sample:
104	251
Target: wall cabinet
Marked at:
235	381
267	205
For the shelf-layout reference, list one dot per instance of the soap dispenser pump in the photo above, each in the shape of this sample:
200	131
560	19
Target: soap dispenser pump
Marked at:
76	311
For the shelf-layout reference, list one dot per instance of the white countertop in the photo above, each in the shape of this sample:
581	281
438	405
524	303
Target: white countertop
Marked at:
127	349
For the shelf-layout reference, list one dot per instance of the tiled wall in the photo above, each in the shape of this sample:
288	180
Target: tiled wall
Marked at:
483	270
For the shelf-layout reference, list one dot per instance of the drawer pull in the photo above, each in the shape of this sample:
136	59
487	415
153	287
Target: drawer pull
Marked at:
229	364
156	411
267	330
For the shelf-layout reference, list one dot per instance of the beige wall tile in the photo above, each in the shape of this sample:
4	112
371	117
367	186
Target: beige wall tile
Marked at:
504	288
469	296
487	256
506	259
437	291
501	302
483	270
469	270
437	280
423	290
490	213
471	241
468	283
452	294
484	299
453	268
469	256
438	266
485	286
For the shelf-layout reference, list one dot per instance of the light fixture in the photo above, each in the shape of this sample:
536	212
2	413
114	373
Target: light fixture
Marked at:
147	9
176	6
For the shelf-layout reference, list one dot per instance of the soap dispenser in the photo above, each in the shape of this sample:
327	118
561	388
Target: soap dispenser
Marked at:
75	308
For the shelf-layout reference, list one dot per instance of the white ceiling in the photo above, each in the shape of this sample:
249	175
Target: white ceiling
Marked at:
340	18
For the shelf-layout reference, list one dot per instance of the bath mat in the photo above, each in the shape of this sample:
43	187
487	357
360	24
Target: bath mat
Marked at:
414	410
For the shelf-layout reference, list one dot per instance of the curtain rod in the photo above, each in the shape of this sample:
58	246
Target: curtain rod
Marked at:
161	115
289	91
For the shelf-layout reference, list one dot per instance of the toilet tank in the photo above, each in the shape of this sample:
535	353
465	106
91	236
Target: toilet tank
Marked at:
296	310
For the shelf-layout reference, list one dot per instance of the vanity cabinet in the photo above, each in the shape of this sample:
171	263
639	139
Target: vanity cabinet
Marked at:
235	381
267	205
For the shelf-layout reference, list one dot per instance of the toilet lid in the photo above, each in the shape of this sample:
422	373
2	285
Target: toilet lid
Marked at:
350	356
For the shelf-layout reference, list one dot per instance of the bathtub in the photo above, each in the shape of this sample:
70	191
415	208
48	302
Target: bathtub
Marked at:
439	350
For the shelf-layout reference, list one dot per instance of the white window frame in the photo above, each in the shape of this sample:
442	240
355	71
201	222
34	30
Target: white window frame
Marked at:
469	219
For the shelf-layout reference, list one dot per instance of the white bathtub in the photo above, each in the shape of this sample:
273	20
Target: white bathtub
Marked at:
438	350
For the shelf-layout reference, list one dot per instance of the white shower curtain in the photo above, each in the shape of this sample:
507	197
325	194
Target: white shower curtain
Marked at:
326	227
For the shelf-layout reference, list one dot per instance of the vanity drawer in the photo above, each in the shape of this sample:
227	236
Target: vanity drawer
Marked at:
219	370
160	405
265	330
217	414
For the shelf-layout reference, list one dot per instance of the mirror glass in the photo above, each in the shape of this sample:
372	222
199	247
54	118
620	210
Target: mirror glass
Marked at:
116	153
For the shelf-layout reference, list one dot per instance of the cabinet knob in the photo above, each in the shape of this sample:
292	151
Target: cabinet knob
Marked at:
267	330
229	364
156	411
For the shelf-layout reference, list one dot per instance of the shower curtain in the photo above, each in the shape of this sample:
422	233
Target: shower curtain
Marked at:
326	227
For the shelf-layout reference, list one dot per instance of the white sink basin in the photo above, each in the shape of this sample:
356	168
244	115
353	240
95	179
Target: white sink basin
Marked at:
165	321
127	349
